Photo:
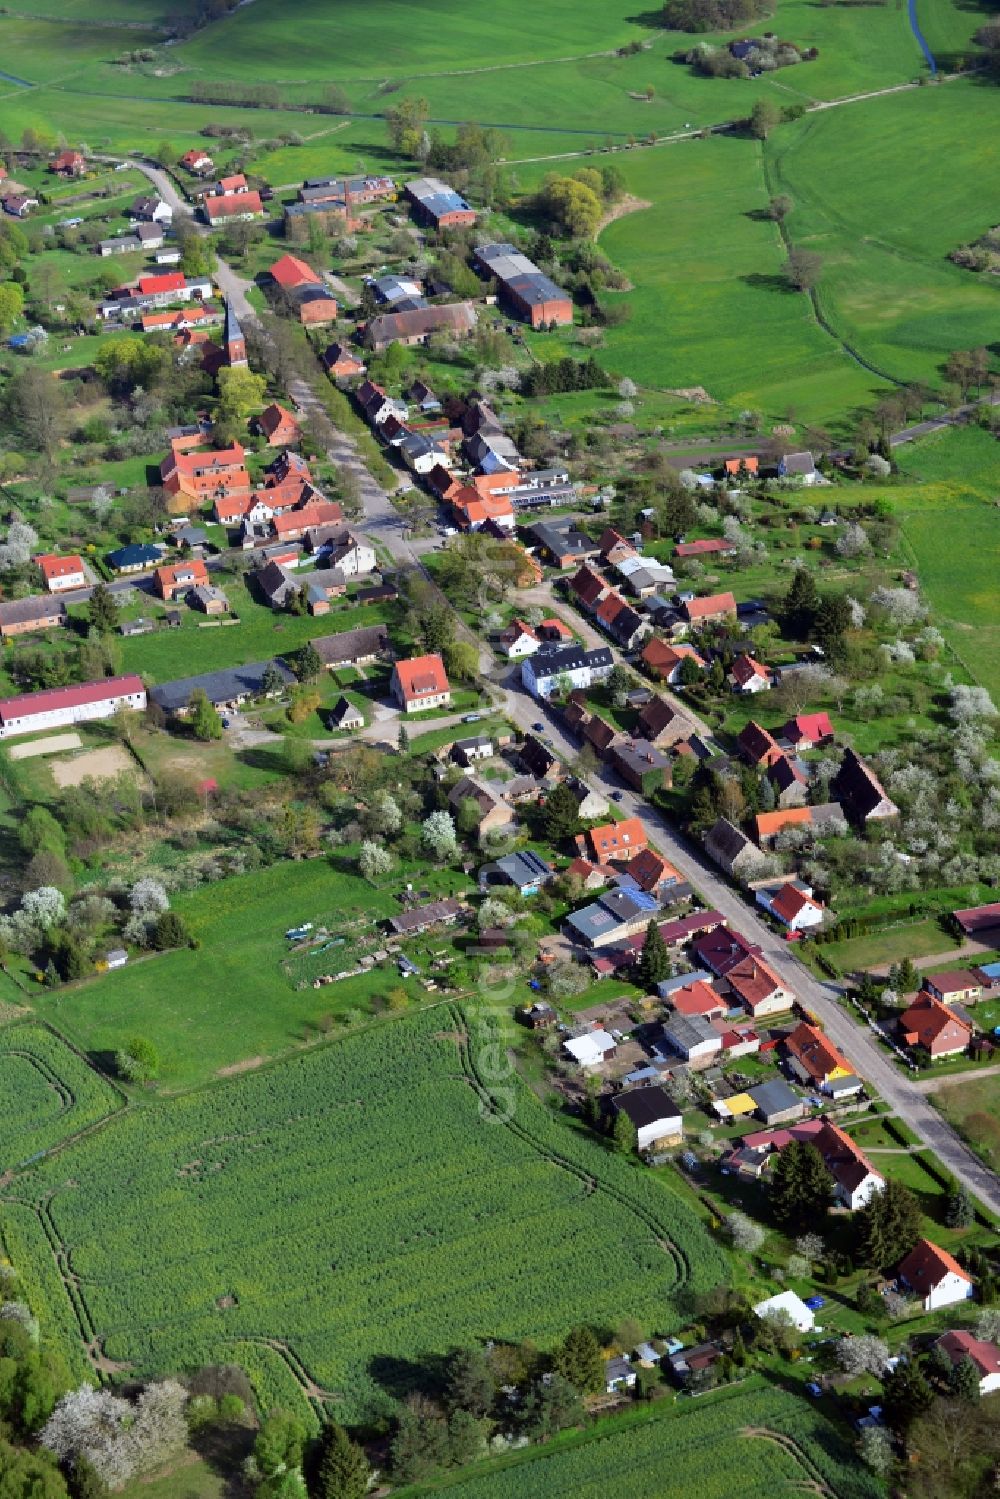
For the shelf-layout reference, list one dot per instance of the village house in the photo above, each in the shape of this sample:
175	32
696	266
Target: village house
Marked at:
655	1115
339	362
855	1180
814	1058
720	948
663	724
640	764
656	875
788	779
806	731
517	640
798	466
352	647
792	904
551	669
68	164
227	690
591	1049
749	676
615	916
730	848
417	326
197	161
562	543
178	578
696	998
956	986
932	1026
18	205
22	616
278	426
203	476
664	660
137	557
753	984
614	841
756	745
525	870
421	682
494	812
935	1276
151	209
710	609
55	708
985	1357
345	716
232	207
860	792
61	574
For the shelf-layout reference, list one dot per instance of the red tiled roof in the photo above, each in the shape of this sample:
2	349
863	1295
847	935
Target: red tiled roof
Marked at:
150	286
745	669
58	567
290	272
927	1020
701	548
614	837
29	704
422	676
812	726
712	603
978	918
651	869
815	1052
698	998
229	205
314	513
752	981
166	577
768	823
926	1266
790	900
609	609
960	1344
274	417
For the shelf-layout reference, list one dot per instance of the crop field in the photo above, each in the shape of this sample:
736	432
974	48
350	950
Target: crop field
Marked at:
47	1093
774	1440
357	1206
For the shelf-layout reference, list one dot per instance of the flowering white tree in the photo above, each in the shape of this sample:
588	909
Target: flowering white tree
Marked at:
44	908
148	897
744	1232
101	502
875	1447
627	389
494	912
852	541
119	1439
878	467
384	815
811	1246
438	835
971	705
374	860
903	606
864	1354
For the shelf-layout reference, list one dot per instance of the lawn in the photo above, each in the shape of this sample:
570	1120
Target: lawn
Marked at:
973	1107
297	1224
234	997
776	1441
914	940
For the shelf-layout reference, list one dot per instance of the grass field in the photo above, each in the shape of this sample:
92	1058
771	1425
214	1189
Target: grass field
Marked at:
362	1205
952	525
973	1107
230	999
776	1442
916	940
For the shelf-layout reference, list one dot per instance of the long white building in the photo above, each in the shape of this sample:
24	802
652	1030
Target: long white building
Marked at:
58	706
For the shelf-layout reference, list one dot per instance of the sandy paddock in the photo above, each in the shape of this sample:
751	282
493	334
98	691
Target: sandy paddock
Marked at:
99	764
49	746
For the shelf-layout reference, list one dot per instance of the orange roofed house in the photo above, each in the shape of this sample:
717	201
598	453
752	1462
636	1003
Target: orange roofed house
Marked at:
814	1058
933	1026
179	578
707	610
230	208
199	477
279	426
421	682
618	841
935	1276
61	573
